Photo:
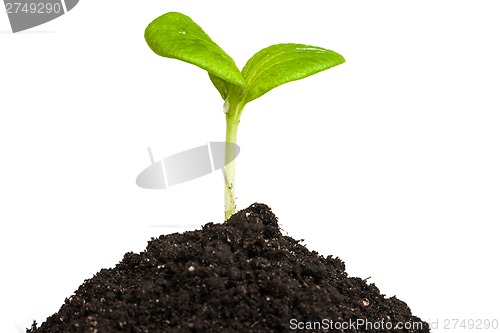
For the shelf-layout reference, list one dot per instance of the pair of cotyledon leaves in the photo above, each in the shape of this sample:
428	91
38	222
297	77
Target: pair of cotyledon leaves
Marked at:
175	35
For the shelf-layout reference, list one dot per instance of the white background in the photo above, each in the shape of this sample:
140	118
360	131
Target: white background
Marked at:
389	161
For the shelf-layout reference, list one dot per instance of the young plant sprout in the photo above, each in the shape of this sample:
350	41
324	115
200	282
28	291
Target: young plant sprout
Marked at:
175	35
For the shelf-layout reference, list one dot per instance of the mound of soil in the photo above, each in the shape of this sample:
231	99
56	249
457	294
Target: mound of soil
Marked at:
239	276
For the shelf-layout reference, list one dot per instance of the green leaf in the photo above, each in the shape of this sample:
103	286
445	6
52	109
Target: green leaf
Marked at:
221	85
282	63
175	35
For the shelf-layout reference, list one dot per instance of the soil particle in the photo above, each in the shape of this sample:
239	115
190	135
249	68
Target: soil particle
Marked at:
239	276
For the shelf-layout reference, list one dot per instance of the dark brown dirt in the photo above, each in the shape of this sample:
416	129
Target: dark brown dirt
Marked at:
239	276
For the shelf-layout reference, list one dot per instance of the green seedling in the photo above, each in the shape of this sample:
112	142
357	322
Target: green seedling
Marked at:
175	35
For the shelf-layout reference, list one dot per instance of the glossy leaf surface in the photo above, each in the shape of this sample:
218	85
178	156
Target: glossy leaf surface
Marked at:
282	63
175	35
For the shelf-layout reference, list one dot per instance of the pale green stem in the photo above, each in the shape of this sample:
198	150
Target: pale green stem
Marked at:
232	121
